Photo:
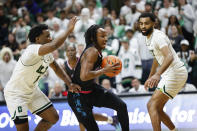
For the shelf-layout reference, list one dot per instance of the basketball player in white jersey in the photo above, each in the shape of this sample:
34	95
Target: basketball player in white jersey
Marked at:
22	93
172	72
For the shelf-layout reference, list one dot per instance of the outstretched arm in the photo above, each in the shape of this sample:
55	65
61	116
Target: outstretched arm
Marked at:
56	43
64	76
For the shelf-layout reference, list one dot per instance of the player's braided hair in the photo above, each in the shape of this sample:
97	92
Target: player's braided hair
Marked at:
36	31
90	35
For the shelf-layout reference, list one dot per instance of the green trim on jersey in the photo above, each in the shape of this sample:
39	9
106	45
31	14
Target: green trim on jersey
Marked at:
30	65
42	108
14	116
25	116
164	91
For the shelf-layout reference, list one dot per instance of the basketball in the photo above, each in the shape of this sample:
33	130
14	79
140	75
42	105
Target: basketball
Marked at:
111	60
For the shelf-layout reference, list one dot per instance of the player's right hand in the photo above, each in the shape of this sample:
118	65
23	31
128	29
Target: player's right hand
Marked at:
74	88
111	68
146	84
72	22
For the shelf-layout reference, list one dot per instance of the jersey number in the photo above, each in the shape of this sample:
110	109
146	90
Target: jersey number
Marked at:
126	63
40	71
20	109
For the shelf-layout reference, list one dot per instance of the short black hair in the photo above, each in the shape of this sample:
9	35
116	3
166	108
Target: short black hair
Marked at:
91	35
148	3
36	31
130	30
146	14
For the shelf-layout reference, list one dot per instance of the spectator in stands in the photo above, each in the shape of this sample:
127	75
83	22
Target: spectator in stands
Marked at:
140	5
52	78
56	91
125	11
112	42
7	64
133	43
158	25
74	6
83	24
148	7
80	48
64	20
51	19
173	21
185	55
94	11
40	18
28	20
119	30
72	39
134	16
186	17
165	12
13	45
114	18
57	30
128	65
4	24
194	67
59	4
175	38
21	30
107	85
105	15
137	87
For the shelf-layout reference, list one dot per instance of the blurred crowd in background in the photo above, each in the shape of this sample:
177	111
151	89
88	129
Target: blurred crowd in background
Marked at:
177	18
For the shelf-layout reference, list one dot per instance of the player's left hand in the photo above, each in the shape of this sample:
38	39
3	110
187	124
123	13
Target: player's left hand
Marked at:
74	88
153	81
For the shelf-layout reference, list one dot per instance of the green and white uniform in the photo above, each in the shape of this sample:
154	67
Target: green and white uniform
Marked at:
175	76
22	92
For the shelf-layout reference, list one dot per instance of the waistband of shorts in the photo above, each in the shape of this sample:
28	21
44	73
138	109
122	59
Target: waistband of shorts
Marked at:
83	92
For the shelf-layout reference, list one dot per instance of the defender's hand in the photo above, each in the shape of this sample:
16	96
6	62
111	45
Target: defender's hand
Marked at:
72	23
74	88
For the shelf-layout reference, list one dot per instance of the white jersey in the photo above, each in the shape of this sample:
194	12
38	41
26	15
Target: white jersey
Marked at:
128	64
156	42
28	70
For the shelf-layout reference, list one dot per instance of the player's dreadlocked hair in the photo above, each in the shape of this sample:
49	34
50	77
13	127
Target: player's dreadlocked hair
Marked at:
36	31
90	35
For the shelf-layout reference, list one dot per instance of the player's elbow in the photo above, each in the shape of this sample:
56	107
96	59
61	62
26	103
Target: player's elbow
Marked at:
170	58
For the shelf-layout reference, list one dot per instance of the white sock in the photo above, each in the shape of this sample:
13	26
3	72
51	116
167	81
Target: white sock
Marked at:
109	120
174	129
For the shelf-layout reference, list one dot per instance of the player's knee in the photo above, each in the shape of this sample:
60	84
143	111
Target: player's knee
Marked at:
55	118
151	105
